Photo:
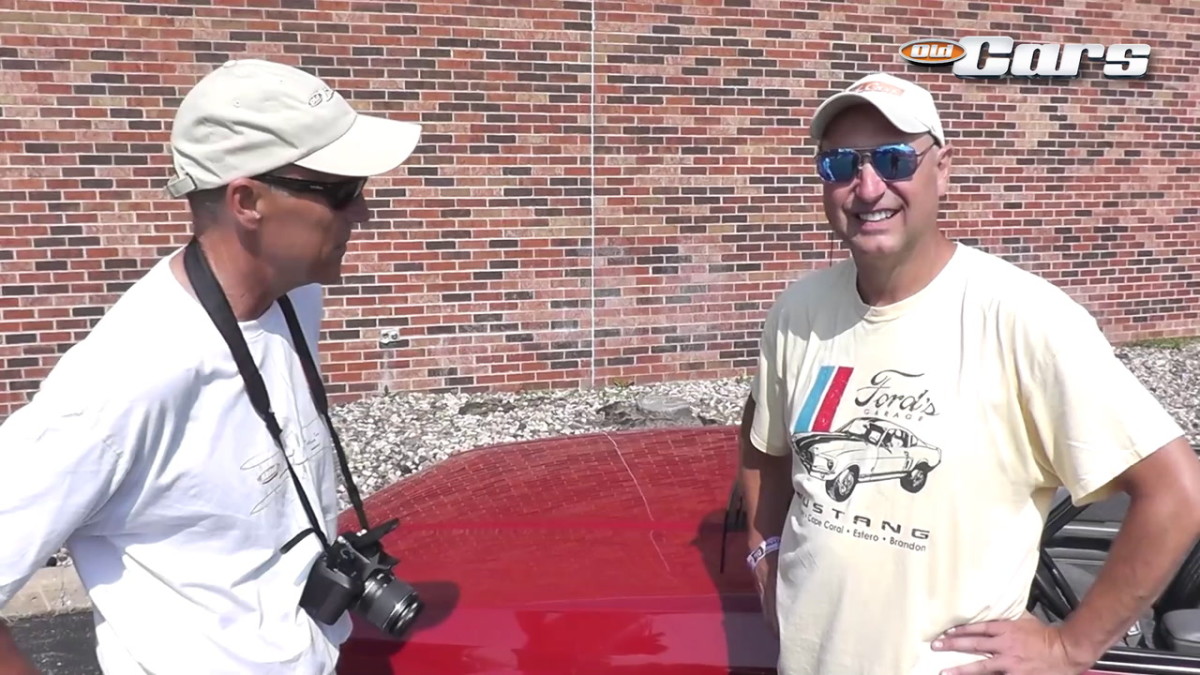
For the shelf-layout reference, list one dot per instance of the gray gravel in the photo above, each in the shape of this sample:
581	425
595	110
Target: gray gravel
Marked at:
393	435
1172	375
390	436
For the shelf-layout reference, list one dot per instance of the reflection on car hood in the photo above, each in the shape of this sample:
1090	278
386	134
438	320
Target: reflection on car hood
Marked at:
587	535
556	520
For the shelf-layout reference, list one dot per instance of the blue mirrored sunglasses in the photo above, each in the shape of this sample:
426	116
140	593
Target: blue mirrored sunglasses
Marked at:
893	162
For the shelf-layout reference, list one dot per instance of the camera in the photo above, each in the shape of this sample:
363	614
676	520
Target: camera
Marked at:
355	574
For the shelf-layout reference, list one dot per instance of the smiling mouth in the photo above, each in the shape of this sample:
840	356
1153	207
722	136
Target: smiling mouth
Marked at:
876	216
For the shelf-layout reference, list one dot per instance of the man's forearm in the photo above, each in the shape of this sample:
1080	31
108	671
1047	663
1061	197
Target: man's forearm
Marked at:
766	484
12	661
1147	551
768	491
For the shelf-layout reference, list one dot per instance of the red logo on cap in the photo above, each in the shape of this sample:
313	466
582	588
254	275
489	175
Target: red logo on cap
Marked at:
883	87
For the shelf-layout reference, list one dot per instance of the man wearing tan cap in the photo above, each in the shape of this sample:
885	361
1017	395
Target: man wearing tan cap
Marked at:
143	453
914	411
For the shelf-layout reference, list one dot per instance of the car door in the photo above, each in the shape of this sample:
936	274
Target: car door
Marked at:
893	458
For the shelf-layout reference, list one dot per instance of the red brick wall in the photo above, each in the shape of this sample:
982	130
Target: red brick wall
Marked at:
604	189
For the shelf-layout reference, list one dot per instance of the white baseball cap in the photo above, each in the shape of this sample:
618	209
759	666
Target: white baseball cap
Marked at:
908	106
251	116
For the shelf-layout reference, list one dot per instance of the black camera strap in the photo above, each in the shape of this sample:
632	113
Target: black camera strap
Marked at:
212	297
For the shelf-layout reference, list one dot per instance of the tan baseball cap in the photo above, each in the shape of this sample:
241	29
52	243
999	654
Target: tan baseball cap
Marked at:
251	116
907	105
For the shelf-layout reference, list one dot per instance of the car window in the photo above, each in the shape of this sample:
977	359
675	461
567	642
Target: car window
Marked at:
874	435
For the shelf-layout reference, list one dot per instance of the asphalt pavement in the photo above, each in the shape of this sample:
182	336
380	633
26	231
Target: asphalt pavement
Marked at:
58	644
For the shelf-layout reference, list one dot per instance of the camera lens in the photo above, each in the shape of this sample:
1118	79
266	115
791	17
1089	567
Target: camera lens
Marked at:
389	604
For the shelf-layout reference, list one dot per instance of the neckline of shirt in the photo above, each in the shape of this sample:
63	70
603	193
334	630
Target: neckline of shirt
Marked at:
895	310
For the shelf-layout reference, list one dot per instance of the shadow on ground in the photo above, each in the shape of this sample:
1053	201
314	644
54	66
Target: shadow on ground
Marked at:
62	644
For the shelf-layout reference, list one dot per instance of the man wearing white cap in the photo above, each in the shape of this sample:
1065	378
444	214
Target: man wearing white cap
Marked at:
914	411
143	453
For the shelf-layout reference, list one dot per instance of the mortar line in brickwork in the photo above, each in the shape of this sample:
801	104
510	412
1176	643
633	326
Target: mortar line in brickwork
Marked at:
592	198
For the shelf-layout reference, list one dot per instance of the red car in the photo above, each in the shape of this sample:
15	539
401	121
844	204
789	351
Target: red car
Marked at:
622	553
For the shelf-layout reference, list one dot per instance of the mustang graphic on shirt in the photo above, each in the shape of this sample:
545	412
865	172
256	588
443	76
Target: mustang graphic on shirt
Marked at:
864	450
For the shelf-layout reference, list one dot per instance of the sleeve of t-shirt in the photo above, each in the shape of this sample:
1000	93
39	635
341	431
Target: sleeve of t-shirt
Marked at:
1090	418
768	432
59	467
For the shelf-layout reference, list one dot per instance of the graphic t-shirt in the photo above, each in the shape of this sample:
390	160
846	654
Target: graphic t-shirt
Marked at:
928	438
141	452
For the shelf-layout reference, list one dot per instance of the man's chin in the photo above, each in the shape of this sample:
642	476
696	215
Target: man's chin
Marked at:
334	266
876	244
329	276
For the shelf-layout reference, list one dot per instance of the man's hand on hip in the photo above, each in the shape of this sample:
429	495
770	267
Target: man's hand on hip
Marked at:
1163	488
1022	647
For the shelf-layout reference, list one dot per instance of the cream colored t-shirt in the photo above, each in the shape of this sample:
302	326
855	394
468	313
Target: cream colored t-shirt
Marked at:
928	438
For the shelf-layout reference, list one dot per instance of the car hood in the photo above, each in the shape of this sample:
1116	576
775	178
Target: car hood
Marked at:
580	536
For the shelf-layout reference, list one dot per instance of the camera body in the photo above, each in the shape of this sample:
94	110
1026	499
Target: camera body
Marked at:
356	574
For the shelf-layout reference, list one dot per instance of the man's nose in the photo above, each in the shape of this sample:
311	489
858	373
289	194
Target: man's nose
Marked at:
870	186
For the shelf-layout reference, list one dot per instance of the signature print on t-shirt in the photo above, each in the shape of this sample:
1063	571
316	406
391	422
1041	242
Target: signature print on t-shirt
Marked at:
302	445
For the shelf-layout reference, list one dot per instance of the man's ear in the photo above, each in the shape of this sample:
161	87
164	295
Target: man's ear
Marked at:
943	168
244	200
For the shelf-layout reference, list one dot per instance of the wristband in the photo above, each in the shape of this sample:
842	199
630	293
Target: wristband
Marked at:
771	544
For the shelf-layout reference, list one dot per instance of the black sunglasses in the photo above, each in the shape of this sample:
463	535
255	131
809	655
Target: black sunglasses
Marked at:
893	162
339	194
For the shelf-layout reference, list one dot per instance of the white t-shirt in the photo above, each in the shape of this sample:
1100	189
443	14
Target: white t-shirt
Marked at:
928	438
142	453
